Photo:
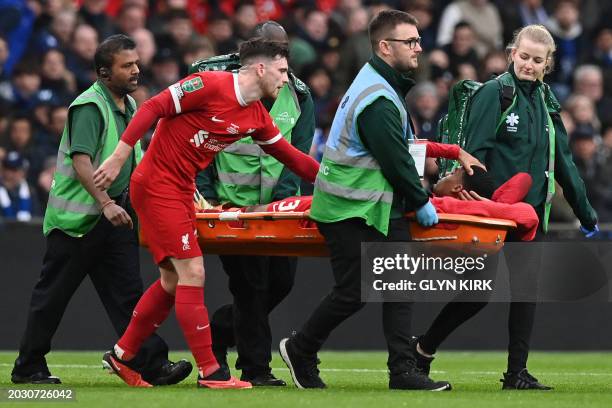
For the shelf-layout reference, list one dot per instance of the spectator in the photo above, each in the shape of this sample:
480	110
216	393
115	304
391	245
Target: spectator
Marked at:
18	200
49	139
16	24
517	14
166	70
462	48
493	64
588	81
221	33
180	30
130	18
583	112
426	110
198	48
245	20
146	48
595	167
311	38
80	59
22	92
56	79
481	15
319	80
93	13
355	51
601	55
568	34
423	11
58	34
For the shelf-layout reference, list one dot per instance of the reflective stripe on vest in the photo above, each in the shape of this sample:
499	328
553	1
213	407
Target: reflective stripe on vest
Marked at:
70	207
350	183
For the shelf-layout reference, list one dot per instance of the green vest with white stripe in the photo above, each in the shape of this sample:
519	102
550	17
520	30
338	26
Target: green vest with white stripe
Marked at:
70	207
350	183
247	175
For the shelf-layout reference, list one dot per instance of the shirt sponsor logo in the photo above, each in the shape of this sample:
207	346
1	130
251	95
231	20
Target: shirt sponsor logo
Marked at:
512	121
192	85
199	138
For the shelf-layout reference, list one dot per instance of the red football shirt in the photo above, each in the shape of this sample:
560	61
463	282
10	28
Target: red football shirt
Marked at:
200	116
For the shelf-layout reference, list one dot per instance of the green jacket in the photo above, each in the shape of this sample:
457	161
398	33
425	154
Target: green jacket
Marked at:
521	144
383	118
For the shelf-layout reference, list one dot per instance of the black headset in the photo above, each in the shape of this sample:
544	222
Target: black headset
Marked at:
104	73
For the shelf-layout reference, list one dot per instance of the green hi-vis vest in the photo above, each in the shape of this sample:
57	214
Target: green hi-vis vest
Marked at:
71	208
350	183
247	175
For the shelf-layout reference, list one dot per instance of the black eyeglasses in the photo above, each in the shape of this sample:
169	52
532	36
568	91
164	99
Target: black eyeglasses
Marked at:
410	42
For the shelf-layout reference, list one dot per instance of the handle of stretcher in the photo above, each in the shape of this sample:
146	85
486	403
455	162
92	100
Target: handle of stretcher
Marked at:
442	218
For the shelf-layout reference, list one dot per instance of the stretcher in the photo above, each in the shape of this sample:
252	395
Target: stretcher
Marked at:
294	234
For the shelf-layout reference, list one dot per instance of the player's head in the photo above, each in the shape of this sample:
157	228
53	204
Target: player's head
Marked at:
271	30
267	61
395	38
479	182
116	63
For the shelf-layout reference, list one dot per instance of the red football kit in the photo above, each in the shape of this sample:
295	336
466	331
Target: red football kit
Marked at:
200	116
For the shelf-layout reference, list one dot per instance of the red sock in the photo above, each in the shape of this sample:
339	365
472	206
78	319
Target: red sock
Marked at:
193	319
151	311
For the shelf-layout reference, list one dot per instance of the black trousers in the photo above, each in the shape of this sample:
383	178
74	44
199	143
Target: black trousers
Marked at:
523	267
344	240
109	255
258	284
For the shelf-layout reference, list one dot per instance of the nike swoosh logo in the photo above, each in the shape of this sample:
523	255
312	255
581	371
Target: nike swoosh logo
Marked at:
202	328
214	119
155	325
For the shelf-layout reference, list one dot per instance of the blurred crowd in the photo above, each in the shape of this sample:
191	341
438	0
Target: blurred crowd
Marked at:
47	48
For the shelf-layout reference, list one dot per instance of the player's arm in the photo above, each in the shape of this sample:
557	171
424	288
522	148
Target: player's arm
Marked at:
453	152
272	142
170	102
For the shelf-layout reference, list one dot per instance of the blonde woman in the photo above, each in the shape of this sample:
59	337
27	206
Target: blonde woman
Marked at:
518	140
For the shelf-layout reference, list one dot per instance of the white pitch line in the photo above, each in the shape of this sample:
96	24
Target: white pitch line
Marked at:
344	370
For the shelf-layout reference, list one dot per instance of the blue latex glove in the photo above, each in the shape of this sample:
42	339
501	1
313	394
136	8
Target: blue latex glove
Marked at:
426	215
590	233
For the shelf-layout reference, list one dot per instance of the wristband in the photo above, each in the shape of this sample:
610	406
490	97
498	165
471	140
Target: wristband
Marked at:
107	203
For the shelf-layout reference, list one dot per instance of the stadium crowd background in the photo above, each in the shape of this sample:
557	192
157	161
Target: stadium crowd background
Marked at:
47	48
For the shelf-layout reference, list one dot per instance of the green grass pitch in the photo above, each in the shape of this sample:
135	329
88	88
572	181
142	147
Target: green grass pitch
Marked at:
354	379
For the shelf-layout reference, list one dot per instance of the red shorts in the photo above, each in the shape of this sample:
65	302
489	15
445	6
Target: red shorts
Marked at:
168	225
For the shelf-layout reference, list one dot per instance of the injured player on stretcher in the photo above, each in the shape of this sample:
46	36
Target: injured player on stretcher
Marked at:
457	193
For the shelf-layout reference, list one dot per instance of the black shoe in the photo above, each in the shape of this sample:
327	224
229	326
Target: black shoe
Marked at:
414	379
303	369
522	381
40	377
172	373
264	380
423	363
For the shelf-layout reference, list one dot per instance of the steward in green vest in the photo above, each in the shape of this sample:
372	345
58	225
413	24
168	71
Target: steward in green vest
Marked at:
70	207
90	232
242	173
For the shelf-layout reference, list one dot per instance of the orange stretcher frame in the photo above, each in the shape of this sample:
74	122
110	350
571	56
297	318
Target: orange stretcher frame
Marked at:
288	233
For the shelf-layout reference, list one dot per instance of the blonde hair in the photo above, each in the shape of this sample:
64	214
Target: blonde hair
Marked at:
539	34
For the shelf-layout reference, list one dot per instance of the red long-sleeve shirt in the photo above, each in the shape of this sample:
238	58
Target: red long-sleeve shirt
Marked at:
200	116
